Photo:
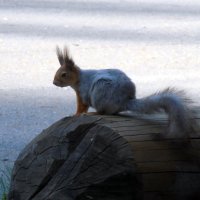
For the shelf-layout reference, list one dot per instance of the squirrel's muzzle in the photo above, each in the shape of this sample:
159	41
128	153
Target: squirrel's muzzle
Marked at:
56	83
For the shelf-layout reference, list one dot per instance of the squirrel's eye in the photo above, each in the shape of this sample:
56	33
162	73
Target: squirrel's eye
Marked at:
64	75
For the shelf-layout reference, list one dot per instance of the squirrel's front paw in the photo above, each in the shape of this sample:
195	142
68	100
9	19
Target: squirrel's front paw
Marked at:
80	114
86	113
92	113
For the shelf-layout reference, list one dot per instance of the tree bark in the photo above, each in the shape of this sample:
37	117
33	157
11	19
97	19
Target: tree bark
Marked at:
106	158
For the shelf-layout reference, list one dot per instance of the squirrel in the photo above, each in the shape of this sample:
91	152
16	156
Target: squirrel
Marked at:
111	91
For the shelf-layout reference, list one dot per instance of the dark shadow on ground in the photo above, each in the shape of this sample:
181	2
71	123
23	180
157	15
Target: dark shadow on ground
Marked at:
25	113
94	33
104	7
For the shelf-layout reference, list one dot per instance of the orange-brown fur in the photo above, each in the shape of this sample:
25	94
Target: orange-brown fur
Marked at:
68	75
81	107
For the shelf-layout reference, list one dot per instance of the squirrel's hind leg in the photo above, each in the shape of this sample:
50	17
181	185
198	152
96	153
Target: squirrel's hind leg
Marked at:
109	97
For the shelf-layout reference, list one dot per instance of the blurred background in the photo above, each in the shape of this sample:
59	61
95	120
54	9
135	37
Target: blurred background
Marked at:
157	43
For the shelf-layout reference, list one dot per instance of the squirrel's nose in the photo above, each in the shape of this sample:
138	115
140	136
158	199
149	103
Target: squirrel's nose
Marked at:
55	82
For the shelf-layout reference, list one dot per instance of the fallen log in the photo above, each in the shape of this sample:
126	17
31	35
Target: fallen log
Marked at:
107	158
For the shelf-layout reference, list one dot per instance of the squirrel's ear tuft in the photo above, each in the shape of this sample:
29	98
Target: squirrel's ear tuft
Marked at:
64	58
60	55
67	58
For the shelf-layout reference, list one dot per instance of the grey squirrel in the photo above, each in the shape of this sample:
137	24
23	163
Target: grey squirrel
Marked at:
111	91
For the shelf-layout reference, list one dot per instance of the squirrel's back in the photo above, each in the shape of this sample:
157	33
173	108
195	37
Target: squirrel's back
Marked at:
106	90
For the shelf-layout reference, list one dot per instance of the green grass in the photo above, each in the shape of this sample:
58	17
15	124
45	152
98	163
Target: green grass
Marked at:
5	175
4	197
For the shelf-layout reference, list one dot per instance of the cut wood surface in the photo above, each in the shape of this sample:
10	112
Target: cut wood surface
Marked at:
108	157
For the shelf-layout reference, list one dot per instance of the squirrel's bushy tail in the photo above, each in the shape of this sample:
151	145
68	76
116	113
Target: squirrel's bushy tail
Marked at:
174	103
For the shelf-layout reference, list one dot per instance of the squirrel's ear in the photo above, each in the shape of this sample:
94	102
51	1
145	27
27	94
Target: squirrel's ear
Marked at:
60	55
67	59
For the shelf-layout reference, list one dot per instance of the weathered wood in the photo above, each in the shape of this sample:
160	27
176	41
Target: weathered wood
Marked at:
107	158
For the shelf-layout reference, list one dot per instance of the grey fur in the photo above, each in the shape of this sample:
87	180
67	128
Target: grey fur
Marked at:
110	91
106	90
